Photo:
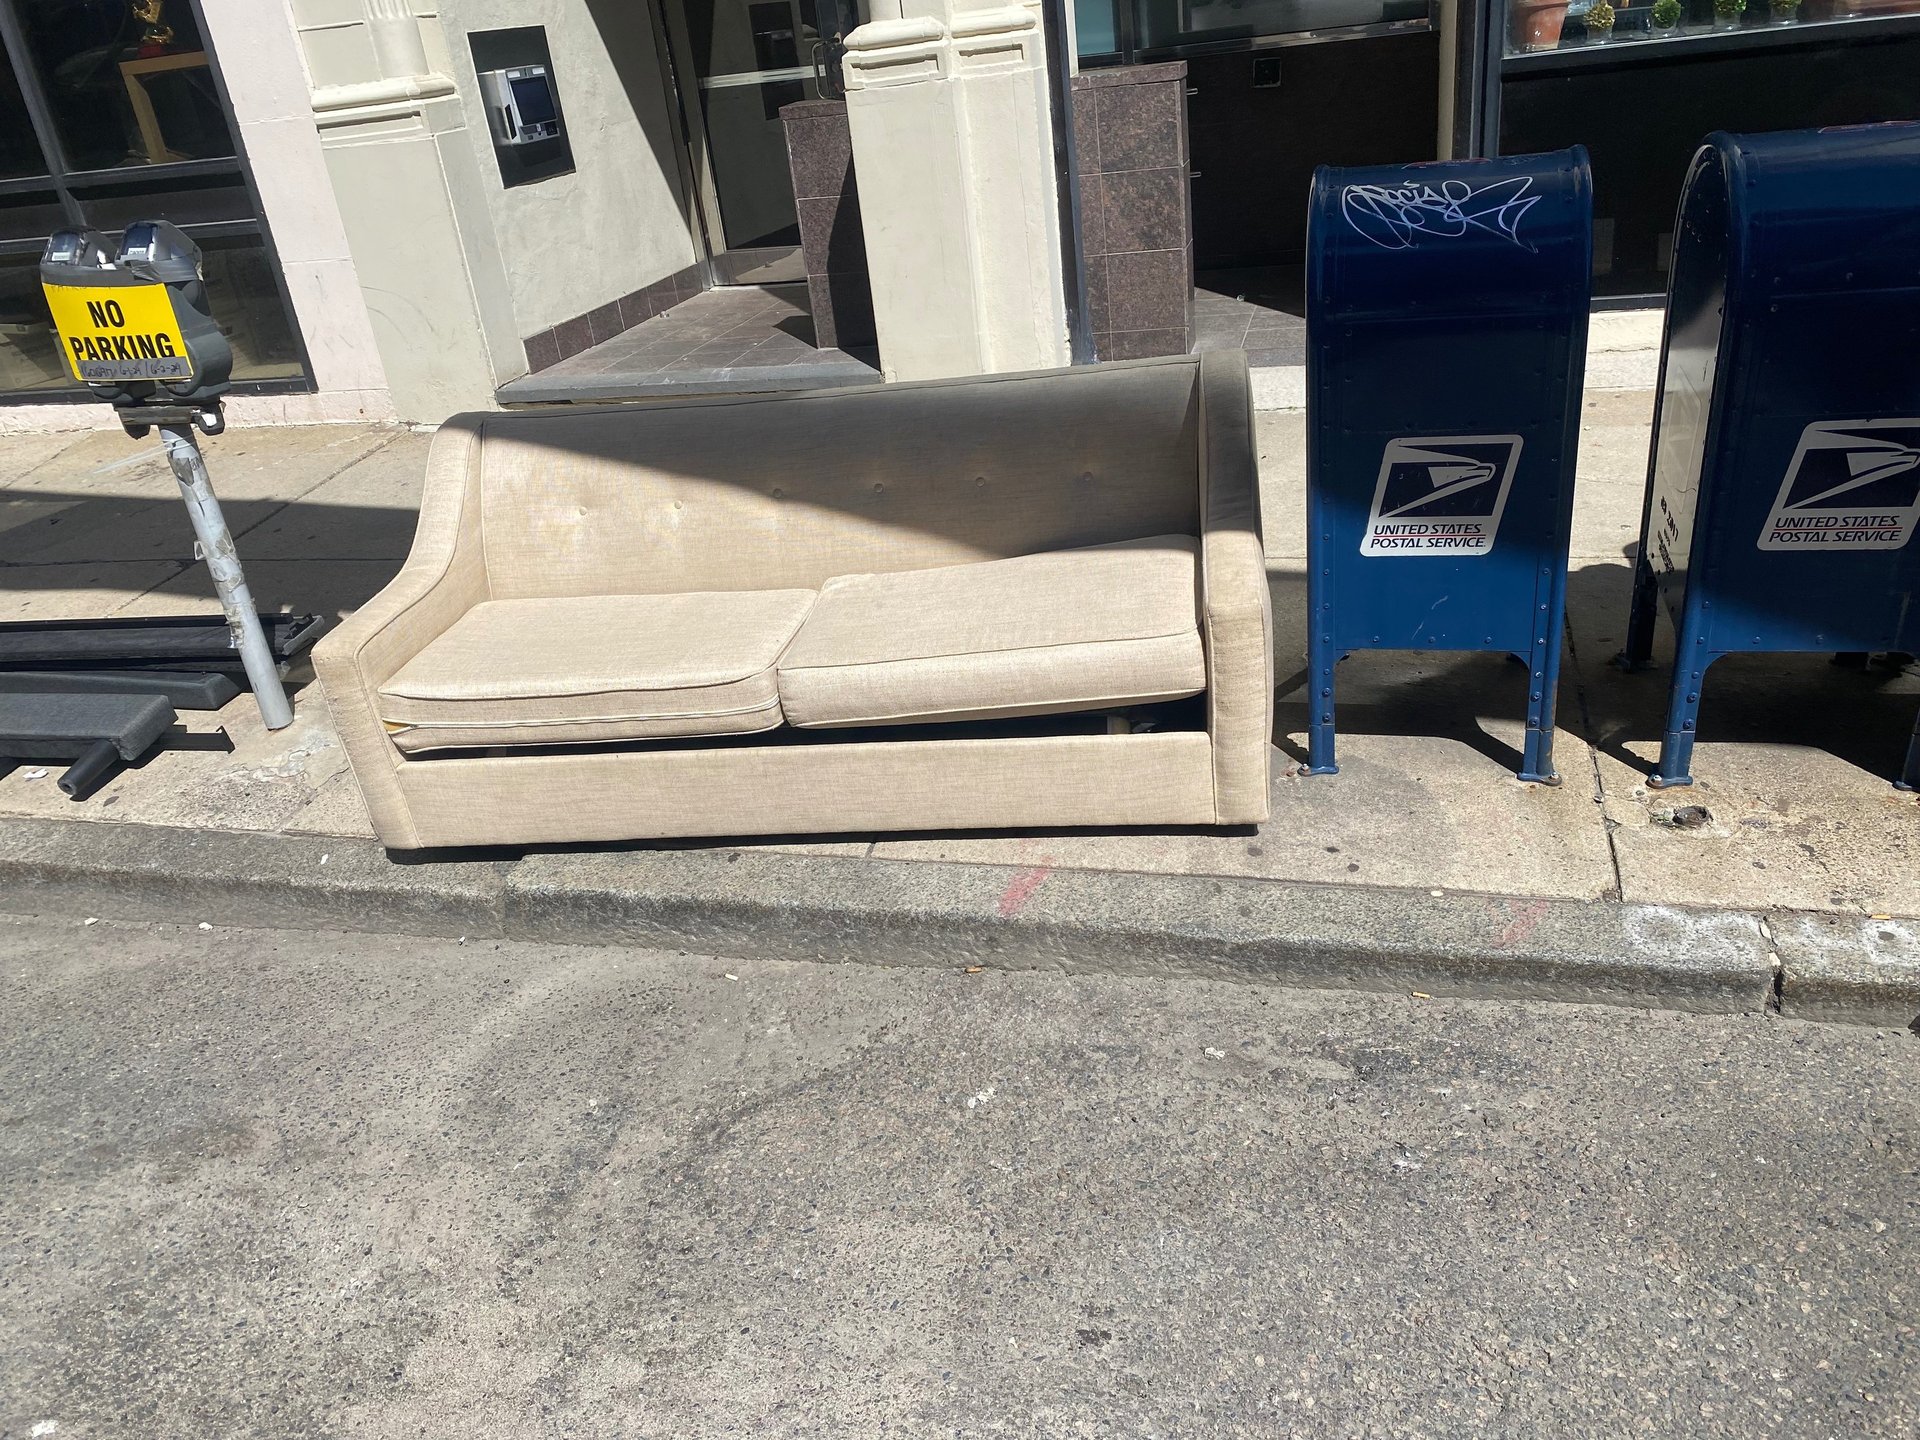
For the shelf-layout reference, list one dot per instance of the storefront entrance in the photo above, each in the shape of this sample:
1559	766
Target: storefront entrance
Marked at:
738	63
113	111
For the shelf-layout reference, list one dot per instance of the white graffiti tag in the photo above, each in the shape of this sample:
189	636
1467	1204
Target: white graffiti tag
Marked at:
1397	217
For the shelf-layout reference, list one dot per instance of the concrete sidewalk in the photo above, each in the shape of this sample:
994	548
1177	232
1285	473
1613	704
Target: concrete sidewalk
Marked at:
1793	769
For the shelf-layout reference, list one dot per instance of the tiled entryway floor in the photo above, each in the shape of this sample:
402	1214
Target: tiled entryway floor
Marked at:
1262	312
746	337
760	337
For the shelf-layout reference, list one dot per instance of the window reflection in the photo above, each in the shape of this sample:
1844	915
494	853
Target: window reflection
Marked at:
240	290
1535	25
19	151
128	81
246	305
1184	22
29	350
1096	27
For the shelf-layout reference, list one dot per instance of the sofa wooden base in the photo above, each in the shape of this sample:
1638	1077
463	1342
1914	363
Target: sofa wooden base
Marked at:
854	788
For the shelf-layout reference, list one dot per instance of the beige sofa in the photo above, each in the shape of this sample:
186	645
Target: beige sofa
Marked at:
1018	601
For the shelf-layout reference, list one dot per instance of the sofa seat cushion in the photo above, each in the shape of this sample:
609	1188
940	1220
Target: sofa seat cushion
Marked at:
1034	635
596	668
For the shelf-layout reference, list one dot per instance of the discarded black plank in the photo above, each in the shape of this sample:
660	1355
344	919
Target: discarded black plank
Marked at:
184	690
97	732
176	642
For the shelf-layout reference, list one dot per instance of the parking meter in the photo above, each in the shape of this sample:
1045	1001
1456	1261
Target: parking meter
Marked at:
135	325
1446	347
136	328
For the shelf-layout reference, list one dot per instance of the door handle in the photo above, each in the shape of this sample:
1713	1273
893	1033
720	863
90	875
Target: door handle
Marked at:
823	76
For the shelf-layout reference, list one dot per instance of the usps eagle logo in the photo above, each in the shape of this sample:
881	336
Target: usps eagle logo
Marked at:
1441	495
1851	485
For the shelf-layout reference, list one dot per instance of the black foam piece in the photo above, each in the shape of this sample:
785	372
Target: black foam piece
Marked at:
182	689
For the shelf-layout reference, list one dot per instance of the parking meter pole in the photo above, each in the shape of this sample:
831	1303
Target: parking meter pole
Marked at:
137	329
216	543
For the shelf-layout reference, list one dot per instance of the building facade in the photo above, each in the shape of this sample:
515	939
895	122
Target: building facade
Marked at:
382	242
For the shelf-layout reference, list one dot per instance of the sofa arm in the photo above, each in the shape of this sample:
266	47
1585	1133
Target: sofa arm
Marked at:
1236	608
444	577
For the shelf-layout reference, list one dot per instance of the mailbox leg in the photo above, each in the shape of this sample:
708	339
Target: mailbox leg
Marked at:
1322	654
1543	674
1543	680
1910	772
1683	718
1321	658
243	617
1638	653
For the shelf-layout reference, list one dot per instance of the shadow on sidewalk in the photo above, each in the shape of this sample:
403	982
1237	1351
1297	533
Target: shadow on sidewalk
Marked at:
1860	715
75	555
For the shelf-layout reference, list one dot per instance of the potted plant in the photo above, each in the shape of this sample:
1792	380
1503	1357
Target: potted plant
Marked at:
1536	23
1727	13
1784	12
1666	17
1600	22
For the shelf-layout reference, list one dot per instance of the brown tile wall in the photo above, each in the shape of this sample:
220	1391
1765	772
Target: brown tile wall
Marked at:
820	154
1135	216
1136	223
570	337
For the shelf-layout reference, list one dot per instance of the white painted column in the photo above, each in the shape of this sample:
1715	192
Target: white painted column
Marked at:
410	192
260	60
953	150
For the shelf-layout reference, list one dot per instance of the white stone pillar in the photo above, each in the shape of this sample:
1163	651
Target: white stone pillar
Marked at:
948	104
411	197
260	59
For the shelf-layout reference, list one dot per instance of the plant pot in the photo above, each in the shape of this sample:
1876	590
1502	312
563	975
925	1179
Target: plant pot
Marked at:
1536	24
1785	14
1600	37
1725	23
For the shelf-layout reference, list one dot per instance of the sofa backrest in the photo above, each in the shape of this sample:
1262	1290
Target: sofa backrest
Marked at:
785	491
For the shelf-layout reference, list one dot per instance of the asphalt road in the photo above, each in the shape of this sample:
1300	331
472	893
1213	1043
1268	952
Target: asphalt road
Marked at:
268	1184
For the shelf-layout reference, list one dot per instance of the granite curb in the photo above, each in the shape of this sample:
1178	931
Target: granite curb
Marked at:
759	905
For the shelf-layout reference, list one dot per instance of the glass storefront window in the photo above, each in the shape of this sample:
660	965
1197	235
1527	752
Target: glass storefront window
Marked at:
240	289
1162	24
94	95
29	350
1641	89
1096	27
129	82
19	150
246	304
1564	25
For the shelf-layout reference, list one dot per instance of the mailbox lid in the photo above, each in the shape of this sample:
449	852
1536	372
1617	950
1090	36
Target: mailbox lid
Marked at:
1786	468
1460	237
1824	211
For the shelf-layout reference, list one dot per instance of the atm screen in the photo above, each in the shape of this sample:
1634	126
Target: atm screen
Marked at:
534	98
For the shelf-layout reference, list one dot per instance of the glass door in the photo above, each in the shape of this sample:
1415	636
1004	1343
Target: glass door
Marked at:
747	59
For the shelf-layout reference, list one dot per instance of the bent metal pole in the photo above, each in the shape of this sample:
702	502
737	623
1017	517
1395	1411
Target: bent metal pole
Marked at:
243	620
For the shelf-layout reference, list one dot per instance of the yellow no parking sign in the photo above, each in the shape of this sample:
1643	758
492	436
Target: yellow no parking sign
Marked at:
113	333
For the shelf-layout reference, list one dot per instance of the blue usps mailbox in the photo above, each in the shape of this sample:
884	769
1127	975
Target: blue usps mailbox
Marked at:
1447	339
1784	481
